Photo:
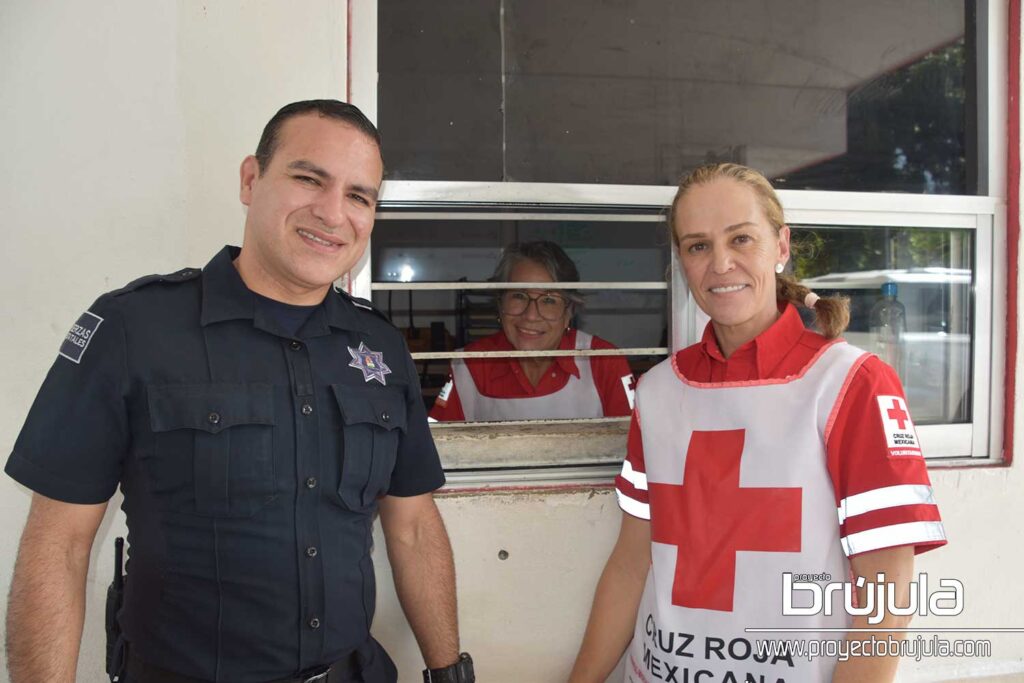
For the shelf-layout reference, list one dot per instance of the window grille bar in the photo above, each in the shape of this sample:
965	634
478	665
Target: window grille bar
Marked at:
416	286
638	351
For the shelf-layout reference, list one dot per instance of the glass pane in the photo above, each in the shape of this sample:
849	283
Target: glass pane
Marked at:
827	95
931	272
439	89
454	250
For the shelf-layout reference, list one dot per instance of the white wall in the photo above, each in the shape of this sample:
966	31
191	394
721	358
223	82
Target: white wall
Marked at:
125	123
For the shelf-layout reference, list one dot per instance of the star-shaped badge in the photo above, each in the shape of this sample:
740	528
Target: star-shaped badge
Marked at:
370	362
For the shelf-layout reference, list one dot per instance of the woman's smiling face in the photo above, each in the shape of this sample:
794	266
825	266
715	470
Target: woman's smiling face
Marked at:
728	250
528	331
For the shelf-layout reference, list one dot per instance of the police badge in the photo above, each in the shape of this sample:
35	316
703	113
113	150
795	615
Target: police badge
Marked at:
370	362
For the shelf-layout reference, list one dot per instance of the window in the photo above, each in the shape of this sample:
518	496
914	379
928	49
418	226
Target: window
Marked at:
931	272
942	256
827	95
605	251
422	248
530	116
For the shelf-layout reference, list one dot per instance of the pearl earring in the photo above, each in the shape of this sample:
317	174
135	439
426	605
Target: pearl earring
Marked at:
779	268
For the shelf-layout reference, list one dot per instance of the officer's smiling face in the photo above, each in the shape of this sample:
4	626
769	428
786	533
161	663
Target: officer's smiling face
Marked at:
310	211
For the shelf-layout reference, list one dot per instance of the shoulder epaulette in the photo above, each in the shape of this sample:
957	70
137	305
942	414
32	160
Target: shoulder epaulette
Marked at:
364	304
182	275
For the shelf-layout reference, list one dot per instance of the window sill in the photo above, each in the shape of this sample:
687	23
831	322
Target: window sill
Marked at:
545	451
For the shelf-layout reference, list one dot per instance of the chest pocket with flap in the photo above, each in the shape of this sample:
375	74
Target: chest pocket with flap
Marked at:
373	419
214	452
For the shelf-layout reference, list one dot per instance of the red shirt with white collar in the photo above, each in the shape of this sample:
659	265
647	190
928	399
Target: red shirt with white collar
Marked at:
863	463
785	459
504	377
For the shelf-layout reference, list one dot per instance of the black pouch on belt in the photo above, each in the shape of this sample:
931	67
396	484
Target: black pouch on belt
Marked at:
115	596
374	664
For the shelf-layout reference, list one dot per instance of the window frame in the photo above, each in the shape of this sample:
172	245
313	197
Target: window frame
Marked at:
979	442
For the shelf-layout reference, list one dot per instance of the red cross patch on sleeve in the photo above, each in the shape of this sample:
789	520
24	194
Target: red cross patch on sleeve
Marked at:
446	391
900	434
629	386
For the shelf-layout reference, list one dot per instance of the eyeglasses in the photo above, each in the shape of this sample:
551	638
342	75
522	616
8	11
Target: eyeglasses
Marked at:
549	306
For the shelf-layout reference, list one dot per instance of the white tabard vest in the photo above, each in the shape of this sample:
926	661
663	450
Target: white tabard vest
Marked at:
578	398
739	494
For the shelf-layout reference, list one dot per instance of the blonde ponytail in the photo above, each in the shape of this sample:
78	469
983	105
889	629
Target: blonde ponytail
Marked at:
831	313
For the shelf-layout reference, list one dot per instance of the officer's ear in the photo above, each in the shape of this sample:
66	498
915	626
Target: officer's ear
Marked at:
248	173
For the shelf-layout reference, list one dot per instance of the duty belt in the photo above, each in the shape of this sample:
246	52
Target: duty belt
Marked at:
344	670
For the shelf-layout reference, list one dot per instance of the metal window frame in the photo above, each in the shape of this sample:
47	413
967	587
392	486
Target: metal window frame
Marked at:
950	445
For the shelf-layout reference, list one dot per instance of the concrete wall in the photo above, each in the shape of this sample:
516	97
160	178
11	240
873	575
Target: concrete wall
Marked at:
125	123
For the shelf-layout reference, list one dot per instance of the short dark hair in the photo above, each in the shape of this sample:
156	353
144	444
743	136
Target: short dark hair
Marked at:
335	109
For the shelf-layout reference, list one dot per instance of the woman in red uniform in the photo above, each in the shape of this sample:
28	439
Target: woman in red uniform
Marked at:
764	451
549	387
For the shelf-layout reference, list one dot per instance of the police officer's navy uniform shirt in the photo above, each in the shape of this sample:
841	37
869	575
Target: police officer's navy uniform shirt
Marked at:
289	317
250	463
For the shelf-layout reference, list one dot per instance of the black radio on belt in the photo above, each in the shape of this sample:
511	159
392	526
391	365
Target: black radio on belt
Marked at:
459	672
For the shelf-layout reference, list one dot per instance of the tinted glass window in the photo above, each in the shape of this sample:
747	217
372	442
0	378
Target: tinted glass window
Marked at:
828	95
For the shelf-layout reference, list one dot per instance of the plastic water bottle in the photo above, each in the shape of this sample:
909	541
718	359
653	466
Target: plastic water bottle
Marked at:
888	324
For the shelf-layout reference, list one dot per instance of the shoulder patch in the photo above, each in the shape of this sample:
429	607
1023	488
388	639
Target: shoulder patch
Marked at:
364	305
79	336
900	435
182	275
629	386
446	391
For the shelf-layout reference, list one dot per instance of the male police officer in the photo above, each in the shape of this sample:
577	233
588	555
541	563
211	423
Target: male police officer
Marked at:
256	419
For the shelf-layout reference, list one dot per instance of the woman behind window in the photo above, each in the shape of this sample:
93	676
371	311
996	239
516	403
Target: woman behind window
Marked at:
487	389
741	450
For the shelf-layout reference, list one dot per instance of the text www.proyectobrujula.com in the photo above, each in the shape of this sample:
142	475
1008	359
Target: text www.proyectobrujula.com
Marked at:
917	648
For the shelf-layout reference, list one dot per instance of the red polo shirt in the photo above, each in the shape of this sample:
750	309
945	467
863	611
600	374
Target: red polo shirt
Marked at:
867	472
504	377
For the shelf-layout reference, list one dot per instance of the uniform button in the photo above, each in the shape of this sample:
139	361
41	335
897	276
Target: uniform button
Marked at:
213	418
307	409
296	345
311	483
314	623
385	416
311	551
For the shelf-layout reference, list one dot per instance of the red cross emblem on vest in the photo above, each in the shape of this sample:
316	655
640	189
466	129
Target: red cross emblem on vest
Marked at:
710	517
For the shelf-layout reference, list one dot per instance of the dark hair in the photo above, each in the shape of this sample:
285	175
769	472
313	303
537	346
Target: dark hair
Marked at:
334	109
548	255
832	313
